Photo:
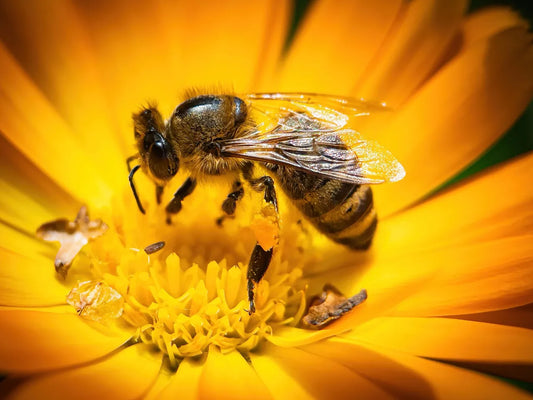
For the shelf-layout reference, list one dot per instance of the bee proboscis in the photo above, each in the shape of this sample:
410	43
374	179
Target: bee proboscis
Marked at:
306	142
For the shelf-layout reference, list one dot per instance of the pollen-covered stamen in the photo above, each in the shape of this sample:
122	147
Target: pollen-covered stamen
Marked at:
184	310
176	297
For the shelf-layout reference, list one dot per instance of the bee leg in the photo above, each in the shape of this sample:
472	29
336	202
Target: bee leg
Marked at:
159	193
257	267
230	203
260	259
130	159
266	184
175	204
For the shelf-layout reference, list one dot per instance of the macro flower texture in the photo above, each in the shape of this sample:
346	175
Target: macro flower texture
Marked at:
449	275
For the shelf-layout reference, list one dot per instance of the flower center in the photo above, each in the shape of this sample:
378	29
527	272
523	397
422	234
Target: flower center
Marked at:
191	294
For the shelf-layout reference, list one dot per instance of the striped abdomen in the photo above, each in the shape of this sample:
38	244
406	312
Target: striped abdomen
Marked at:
342	211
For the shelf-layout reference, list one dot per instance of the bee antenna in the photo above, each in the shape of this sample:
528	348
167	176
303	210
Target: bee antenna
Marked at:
132	172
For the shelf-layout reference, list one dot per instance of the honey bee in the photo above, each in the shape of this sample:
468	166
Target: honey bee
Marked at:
304	141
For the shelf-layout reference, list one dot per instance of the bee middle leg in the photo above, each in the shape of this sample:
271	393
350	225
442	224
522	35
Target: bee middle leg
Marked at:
230	203
174	206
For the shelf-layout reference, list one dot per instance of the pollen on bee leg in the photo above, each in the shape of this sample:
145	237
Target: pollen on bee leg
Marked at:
96	301
265	226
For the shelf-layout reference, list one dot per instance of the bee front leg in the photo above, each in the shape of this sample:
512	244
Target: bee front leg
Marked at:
175	204
159	193
230	203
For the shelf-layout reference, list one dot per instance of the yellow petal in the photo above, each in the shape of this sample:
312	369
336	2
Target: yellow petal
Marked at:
29	196
280	382
33	341
456	116
184	384
335	43
449	339
496	204
521	317
295	373
379	302
442	381
29	281
49	42
466	279
229	376
402	382
415	47
32	125
124	375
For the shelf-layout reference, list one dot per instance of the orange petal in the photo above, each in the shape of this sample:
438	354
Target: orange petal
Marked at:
29	281
49	42
402	382
33	341
448	382
184	384
487	22
495	204
415	47
335	43
456	116
125	375
294	373
30	122
161	48
449	339
441	380
231	375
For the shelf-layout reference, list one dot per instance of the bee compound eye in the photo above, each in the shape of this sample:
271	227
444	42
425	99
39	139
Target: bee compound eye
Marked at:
148	141
162	161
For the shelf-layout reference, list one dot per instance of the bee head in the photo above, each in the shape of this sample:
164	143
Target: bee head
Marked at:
158	158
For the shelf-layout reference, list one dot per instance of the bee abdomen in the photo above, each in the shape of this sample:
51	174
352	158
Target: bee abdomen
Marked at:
353	221
342	211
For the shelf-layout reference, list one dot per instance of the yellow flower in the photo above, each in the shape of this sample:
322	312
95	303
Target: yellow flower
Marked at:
449	277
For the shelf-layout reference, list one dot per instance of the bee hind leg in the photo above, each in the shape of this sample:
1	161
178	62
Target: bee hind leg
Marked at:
175	204
259	262
260	259
230	203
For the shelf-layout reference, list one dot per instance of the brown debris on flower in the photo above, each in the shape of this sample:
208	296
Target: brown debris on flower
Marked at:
154	247
72	235
96	301
329	306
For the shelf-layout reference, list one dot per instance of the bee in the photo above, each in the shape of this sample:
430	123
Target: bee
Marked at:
304	142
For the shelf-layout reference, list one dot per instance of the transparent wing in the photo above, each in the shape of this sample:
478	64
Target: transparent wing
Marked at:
308	132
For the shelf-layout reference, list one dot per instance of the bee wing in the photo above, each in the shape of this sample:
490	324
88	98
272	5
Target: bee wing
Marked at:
336	106
309	132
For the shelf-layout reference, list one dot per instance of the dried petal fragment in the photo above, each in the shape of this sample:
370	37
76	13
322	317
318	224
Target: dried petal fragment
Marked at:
72	235
96	301
331	305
